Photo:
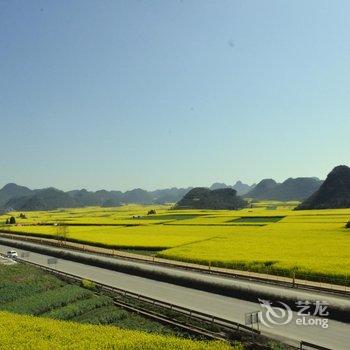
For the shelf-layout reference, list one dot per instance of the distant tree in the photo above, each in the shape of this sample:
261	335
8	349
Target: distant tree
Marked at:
12	220
152	212
7	221
62	232
348	225
22	216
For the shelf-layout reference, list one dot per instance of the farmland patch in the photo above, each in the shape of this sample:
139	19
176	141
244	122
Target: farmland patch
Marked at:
258	219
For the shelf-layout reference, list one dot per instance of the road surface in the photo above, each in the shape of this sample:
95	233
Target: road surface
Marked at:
336	336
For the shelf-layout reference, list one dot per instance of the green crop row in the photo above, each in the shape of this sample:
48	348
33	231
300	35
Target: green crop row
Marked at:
19	281
27	289
103	315
43	302
122	319
79	307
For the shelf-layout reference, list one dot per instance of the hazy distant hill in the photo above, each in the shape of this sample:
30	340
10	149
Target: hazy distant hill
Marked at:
262	189
204	198
239	186
109	198
169	195
297	189
45	199
218	185
12	190
84	197
290	190
242	188
137	196
98	198
334	192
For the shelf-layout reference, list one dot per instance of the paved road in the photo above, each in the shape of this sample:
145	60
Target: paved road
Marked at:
336	336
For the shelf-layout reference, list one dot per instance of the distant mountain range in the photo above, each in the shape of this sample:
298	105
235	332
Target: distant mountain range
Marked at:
290	190
15	197
334	192
45	199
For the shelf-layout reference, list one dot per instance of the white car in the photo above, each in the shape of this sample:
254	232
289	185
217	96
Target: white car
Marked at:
12	254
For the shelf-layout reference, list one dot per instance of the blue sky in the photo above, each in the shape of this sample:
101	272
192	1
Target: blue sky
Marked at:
151	94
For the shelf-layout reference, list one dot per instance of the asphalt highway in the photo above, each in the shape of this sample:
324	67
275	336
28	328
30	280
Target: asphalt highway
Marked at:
336	336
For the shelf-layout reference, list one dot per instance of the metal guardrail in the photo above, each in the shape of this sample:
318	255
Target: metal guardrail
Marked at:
212	319
304	345
171	321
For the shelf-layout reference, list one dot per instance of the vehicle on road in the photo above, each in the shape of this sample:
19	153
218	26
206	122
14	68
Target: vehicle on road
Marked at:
12	254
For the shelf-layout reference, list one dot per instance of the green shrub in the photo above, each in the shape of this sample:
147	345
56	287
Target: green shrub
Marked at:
88	284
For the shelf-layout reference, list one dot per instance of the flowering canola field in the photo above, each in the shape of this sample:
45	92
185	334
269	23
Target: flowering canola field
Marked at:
28	332
312	244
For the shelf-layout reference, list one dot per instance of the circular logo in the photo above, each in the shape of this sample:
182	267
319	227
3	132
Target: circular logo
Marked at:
274	315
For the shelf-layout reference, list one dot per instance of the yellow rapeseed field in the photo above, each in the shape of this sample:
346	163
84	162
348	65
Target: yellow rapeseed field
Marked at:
141	237
28	332
313	251
267	238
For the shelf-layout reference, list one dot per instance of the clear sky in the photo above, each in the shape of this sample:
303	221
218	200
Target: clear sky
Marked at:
156	93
